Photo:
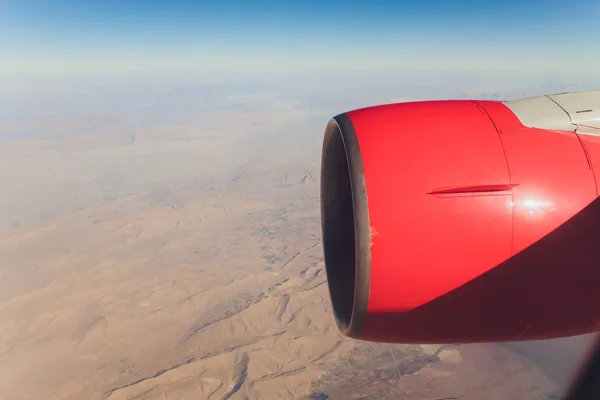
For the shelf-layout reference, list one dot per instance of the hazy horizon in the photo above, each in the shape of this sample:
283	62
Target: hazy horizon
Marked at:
59	36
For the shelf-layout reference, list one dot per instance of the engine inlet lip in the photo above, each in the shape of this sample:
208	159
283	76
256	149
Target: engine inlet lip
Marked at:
350	311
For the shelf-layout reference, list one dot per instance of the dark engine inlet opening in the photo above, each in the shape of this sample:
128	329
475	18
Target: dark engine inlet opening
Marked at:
337	219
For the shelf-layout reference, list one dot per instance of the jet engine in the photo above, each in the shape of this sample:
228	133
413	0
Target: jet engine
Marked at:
459	221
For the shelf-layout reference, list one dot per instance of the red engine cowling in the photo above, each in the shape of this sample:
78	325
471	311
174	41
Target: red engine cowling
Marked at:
453	222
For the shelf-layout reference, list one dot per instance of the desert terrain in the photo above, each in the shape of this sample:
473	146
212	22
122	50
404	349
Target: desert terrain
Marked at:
172	250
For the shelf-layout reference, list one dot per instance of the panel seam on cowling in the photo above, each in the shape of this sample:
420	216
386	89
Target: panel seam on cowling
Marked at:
562	108
589	160
499	134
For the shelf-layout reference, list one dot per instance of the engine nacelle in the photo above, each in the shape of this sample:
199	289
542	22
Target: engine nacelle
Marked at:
464	221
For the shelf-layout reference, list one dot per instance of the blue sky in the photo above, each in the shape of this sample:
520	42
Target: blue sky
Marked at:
56	36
